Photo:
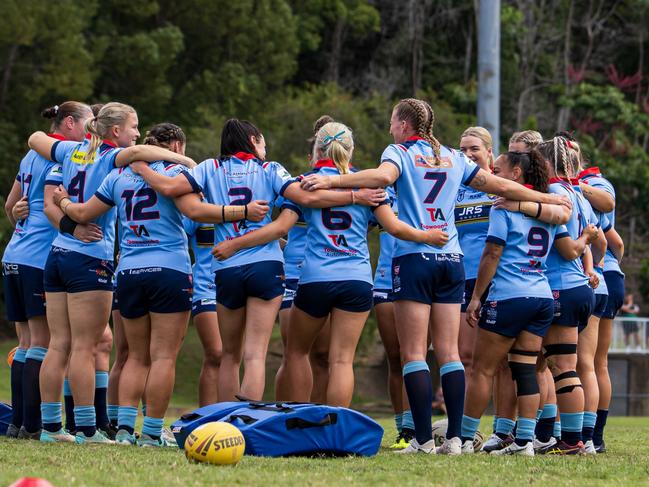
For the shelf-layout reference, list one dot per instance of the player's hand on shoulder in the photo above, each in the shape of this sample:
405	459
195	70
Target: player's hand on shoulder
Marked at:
313	182
88	233
370	196
437	237
505	204
20	211
257	210
138	166
591	233
557	199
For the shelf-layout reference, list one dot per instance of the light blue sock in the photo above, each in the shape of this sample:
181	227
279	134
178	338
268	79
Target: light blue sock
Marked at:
84	416
495	422
589	419
51	412
101	380
539	412
113	412
406	420
20	354
398	421
469	427
66	387
556	432
127	416
505	426
36	353
550	411
152	426
525	429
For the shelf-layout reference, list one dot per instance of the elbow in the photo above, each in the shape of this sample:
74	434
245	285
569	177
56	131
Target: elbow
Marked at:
8	208
563	217
31	142
384	179
167	191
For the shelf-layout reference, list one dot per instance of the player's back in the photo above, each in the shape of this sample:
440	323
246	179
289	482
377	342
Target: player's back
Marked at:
427	190
81	177
150	226
526	244
472	210
336	248
32	238
562	273
238	180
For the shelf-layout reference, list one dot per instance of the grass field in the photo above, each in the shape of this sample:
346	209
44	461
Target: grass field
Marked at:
626	464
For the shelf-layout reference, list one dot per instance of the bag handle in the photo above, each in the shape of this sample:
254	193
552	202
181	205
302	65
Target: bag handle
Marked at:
329	420
242	417
190	416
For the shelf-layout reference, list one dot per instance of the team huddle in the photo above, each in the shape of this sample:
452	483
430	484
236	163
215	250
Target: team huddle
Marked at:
508	267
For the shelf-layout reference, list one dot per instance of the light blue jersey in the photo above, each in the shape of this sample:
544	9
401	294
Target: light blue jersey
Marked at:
567	274
472	210
336	247
81	180
522	268
201	239
238	180
32	238
593	217
383	272
296	242
150	226
427	192
593	177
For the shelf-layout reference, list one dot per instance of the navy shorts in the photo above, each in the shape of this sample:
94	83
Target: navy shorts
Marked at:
428	278
234	285
381	296
203	306
615	284
153	289
510	317
289	293
24	293
71	272
573	307
319	298
469	286
600	305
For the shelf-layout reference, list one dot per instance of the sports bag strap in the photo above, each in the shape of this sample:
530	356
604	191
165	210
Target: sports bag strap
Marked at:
246	419
329	420
276	408
190	416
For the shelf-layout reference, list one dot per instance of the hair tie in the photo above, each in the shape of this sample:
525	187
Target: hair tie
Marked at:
328	139
56	109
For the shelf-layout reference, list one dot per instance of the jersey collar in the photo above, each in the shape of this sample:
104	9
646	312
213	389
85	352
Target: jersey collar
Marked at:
57	136
590	171
105	141
244	156
528	186
324	163
414	138
558	180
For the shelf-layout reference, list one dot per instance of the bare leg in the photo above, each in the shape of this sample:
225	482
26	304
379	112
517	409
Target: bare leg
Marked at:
231	329
207	326
319	358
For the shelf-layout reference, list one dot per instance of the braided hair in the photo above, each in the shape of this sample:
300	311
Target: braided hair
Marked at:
164	134
535	171
421	118
557	152
531	138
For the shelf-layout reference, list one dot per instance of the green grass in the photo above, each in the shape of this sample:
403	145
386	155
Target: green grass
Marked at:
627	463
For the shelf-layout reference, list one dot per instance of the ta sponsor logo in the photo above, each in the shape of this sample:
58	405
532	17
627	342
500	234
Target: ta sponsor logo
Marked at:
239	226
140	230
436	214
338	240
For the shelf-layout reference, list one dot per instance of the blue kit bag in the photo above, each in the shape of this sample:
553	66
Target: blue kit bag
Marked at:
291	429
285	429
5	417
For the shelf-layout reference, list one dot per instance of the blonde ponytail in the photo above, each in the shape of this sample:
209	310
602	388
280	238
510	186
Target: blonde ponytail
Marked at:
335	141
111	114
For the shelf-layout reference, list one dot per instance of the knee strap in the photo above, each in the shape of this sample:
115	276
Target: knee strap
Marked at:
566	382
559	349
523	366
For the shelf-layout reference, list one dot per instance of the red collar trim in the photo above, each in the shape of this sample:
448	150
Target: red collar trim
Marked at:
105	141
559	180
528	186
415	137
244	156
324	163
589	171
57	136
574	182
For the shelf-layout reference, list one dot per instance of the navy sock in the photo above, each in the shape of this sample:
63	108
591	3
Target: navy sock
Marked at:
545	424
101	408
600	423
69	406
453	386
416	378
17	387
31	389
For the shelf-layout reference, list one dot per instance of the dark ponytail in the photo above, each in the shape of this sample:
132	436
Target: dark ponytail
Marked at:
58	113
533	166
235	137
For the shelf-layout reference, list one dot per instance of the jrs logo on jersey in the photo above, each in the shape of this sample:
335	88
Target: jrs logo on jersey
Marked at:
472	213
